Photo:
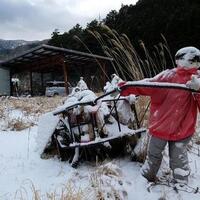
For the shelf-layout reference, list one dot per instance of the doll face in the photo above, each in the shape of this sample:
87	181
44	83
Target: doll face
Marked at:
188	57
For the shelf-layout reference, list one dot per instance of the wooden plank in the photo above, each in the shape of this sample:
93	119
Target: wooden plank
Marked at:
100	140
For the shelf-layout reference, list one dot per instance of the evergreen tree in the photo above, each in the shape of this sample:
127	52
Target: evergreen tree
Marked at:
177	20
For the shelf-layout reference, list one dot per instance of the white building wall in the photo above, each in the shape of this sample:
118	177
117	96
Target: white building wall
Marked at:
4	81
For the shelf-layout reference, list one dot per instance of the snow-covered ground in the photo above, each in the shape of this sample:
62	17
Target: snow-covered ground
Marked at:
24	175
21	168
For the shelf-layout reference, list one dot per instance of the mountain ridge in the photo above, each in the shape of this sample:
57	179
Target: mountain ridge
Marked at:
12	44
10	48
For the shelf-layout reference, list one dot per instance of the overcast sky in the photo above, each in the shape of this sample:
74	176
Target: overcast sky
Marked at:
36	19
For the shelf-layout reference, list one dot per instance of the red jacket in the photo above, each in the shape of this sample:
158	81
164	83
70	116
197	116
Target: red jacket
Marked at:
173	112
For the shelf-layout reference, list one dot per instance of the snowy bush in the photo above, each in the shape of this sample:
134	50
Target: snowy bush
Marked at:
21	113
107	183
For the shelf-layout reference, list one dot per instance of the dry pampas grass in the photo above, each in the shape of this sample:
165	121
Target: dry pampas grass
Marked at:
104	183
33	105
107	183
19	124
64	192
128	63
20	113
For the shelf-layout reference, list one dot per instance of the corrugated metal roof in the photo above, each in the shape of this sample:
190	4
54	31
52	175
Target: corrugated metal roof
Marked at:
44	51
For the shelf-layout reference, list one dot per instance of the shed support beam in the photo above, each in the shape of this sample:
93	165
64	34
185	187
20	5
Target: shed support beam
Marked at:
31	82
104	73
42	81
64	65
11	85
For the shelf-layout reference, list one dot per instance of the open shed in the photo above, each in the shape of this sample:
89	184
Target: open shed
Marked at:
63	64
4	80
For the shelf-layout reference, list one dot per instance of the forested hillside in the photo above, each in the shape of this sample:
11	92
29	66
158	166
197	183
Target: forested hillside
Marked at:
177	20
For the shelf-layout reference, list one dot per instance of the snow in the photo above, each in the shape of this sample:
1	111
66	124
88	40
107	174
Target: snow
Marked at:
22	170
76	97
184	57
82	84
194	83
164	74
141	145
115	80
131	99
113	84
21	166
192	86
47	124
15	80
181	172
108	87
125	112
12	116
159	84
113	134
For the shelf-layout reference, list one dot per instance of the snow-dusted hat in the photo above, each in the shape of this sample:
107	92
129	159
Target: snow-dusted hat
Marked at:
188	57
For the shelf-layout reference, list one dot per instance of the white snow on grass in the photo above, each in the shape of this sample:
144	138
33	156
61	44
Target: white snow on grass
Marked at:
21	166
23	173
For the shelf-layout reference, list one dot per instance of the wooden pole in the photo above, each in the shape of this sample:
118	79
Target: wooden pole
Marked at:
64	65
31	82
104	73
103	64
42	82
11	84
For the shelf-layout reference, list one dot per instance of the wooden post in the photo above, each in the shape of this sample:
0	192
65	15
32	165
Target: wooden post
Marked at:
65	76
104	73
31	82
11	84
103	65
42	81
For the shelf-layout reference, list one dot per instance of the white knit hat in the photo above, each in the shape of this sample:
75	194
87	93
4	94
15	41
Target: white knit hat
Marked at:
188	57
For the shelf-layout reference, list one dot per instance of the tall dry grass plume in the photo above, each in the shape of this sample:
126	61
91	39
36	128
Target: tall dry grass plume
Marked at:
129	65
132	66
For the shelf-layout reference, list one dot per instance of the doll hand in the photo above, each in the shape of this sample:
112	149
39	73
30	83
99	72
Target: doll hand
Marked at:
119	85
194	83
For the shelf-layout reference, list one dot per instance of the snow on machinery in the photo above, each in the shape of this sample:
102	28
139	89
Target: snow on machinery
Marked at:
89	126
